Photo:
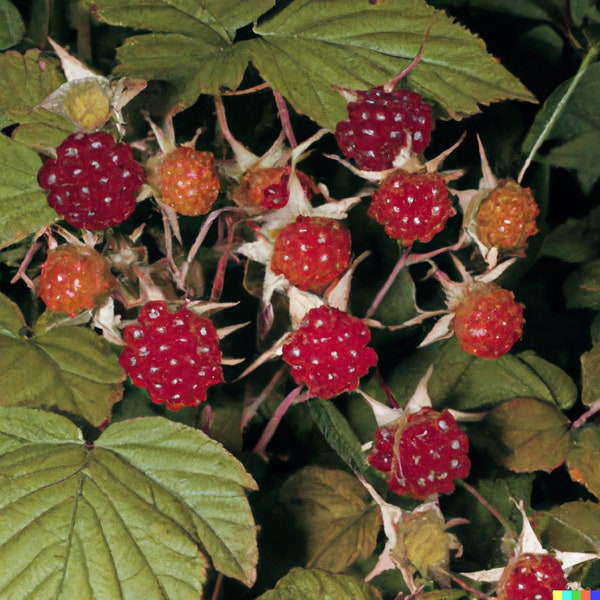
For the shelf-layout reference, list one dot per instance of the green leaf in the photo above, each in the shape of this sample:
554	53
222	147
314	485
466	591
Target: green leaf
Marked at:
582	288
465	382
575	137
23	206
207	19
590	376
583	461
337	432
12	27
336	513
309	47
576	240
313	584
526	435
119	519
197	65
11	319
27	80
70	369
570	527
42	130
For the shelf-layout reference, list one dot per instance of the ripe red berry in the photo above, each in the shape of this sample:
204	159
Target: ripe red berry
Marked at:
328	352
311	252
487	320
380	124
506	217
188	181
412	206
175	356
93	180
531	577
74	279
422	456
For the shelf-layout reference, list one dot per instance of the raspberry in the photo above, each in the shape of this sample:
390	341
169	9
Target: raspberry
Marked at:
188	181
311	252
328	352
423	456
487	321
93	181
506	217
74	279
380	124
175	356
531	577
412	206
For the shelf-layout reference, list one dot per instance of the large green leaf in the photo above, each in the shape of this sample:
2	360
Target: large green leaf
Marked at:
205	19
27	79
121	518
464	382
12	26
590	376
311	46
71	369
314	584
575	137
527	435
336	514
584	459
23	206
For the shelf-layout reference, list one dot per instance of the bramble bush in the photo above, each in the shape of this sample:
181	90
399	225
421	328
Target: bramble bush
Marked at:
299	299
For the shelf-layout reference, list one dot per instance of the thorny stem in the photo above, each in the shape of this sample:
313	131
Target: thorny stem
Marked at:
250	409
169	250
219	281
284	116
466	587
217	590
506	524
386	390
257	88
388	284
589	57
594	408
416	258
267	434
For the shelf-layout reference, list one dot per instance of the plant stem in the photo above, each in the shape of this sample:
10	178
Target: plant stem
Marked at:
388	284
594	408
284	116
589	57
506	524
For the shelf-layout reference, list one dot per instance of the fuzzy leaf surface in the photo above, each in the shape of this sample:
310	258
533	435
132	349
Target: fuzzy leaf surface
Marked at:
583	461
71	369
12	27
527	435
571	527
575	138
314	584
336	513
121	519
465	382
196	19
337	432
310	46
27	80
23	206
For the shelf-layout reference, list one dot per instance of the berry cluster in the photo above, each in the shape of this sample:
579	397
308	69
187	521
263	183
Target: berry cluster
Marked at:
423	455
92	181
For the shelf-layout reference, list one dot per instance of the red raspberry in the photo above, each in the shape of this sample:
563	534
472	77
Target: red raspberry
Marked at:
74	279
328	352
311	252
487	320
412	206
267	187
380	124
175	356
423	456
531	577
506	217
188	181
93	181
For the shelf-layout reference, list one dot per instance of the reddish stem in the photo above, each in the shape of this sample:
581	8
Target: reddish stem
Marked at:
388	284
251	90
219	281
594	408
387	391
506	524
467	587
284	116
267	434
